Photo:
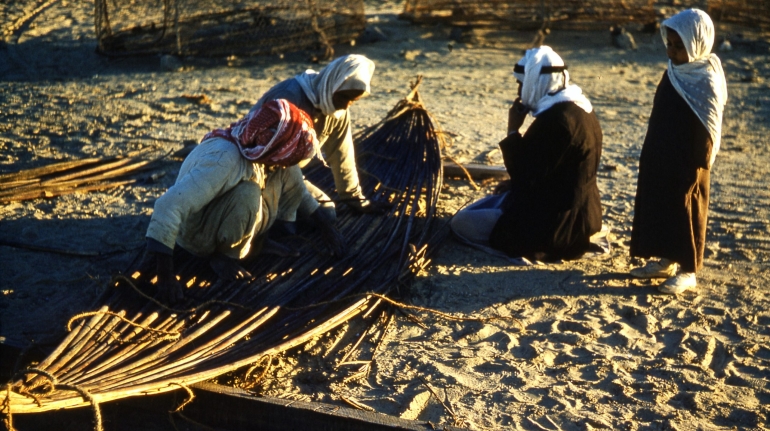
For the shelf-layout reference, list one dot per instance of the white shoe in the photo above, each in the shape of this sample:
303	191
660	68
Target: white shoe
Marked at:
679	283
662	269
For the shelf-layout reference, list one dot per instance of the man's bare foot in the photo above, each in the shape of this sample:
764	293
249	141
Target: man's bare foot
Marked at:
228	268
274	247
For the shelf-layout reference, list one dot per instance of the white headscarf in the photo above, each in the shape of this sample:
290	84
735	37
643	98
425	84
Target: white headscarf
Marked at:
701	82
541	91
349	72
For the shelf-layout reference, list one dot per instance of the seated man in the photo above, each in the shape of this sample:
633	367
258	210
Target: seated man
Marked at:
551	206
230	190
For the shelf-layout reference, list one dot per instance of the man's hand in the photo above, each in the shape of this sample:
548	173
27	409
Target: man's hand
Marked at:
503	186
170	290
271	246
368	206
516	115
228	268
330	234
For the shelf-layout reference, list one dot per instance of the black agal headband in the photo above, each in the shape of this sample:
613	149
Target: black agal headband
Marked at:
545	70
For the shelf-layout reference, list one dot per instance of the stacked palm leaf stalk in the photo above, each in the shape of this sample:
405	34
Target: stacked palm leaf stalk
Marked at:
72	176
134	345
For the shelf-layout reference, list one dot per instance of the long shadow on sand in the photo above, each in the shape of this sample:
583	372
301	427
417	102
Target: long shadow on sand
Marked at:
53	269
466	280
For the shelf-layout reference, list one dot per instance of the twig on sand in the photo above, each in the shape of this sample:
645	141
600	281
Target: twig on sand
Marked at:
353	403
468	174
533	422
384	332
457	421
190	397
249	385
355	346
412	318
548	418
362	372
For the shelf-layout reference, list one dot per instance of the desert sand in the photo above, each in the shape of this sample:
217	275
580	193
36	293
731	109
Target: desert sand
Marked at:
575	345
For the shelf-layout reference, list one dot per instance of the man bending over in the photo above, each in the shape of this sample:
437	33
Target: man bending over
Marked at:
231	189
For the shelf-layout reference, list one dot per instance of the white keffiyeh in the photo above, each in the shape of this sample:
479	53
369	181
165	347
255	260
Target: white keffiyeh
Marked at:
701	82
540	91
350	72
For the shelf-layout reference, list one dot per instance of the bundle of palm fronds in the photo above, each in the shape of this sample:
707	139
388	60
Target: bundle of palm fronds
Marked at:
72	176
134	345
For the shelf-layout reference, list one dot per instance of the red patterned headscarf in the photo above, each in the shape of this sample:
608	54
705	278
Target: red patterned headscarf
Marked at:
278	133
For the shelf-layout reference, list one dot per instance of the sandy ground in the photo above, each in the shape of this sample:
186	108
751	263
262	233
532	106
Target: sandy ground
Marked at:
578	345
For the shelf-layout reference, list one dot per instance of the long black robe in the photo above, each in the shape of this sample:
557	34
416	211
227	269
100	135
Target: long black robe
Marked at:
672	194
553	207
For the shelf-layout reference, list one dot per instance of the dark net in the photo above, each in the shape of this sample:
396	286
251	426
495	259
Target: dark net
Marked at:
530	14
225	27
753	13
576	14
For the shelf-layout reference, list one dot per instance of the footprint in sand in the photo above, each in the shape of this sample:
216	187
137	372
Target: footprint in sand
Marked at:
570	332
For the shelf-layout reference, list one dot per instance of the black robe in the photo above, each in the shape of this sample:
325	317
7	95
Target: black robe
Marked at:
672	194
553	207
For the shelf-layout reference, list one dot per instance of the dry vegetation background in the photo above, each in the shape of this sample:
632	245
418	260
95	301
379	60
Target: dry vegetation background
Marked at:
581	345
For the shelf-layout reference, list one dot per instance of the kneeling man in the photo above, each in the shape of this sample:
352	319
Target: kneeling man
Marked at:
231	189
